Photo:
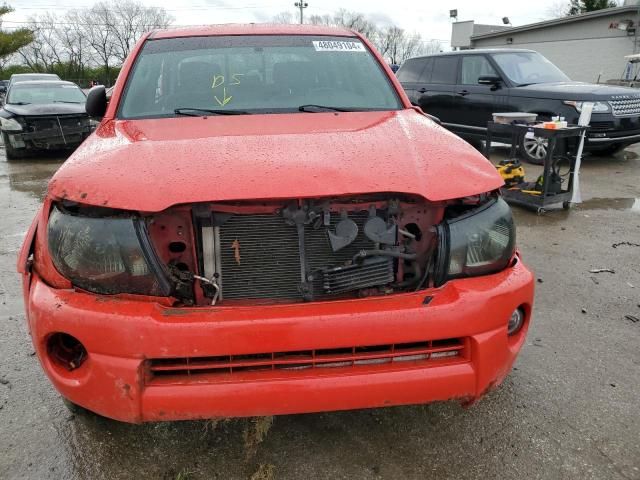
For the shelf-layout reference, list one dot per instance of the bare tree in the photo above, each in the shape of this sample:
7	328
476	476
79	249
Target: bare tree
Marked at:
392	42
284	17
130	21
102	35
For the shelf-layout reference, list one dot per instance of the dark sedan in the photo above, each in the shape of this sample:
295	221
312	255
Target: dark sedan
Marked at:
43	115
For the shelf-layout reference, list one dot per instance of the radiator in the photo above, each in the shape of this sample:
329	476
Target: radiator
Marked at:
260	259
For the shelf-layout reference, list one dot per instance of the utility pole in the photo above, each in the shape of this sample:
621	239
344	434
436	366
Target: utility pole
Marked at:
301	6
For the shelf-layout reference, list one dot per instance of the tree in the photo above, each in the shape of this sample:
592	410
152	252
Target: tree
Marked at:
11	42
131	20
394	43
284	17
98	36
577	7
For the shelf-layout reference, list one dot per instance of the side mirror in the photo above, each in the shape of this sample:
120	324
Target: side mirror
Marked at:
492	80
96	104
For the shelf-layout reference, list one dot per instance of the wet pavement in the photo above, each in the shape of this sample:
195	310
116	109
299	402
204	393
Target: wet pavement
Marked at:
569	409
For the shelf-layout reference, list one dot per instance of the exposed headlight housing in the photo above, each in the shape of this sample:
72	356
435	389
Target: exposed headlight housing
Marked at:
598	107
479	242
106	255
10	125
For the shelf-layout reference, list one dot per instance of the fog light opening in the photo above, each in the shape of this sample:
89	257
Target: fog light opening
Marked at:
515	321
66	351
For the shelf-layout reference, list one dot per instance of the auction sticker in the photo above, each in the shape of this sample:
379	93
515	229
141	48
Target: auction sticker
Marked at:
337	46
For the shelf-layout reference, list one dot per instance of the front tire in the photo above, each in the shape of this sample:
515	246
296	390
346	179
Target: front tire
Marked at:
10	152
534	150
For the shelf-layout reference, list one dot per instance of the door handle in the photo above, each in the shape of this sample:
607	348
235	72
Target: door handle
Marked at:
463	92
422	90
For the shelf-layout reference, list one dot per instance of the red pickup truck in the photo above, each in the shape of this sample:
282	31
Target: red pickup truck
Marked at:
263	224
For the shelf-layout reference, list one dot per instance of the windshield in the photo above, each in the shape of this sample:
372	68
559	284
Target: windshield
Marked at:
40	94
526	68
255	74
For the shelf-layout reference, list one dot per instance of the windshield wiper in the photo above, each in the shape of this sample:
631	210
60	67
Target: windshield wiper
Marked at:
312	108
19	103
64	101
199	112
526	84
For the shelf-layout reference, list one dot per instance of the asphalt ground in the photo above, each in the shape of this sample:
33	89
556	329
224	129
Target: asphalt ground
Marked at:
569	409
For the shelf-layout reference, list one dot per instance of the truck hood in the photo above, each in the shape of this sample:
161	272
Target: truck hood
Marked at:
578	91
45	109
149	165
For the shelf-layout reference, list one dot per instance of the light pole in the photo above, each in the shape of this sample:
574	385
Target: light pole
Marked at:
301	6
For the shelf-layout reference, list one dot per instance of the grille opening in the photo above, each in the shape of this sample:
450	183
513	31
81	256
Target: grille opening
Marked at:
342	357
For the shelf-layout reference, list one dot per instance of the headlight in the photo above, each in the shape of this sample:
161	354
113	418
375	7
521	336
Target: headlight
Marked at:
10	124
478	242
105	255
598	107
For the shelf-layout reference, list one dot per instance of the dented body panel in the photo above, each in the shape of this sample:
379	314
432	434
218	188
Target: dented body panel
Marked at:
189	160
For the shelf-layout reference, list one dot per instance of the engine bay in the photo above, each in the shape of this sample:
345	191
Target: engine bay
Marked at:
297	250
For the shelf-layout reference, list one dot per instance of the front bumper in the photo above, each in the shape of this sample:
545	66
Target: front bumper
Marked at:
607	130
121	334
47	139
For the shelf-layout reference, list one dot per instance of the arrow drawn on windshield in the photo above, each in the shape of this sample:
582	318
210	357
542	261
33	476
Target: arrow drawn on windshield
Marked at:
225	99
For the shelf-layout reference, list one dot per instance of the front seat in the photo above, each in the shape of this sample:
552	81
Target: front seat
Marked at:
195	80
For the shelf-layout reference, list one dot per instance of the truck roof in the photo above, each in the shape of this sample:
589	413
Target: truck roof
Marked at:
252	29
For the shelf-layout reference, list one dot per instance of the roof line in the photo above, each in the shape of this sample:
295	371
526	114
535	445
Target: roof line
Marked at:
560	21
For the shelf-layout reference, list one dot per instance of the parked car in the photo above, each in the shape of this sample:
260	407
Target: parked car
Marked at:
43	115
263	224
28	77
464	88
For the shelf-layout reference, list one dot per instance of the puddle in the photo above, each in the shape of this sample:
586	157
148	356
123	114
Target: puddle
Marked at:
631	204
552	216
31	177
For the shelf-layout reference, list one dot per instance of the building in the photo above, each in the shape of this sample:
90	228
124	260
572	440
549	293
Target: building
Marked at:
462	32
590	47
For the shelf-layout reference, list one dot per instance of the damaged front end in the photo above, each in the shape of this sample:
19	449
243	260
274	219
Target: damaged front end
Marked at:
297	250
47	132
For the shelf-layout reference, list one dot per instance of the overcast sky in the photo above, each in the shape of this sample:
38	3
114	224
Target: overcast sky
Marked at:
429	18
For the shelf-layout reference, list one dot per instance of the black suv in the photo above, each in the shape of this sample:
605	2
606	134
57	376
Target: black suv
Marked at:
464	88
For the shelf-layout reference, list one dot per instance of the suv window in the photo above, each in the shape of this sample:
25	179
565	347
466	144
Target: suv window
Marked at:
474	66
444	70
255	74
425	77
411	70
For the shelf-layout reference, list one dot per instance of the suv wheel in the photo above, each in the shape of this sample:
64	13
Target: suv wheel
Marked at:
534	150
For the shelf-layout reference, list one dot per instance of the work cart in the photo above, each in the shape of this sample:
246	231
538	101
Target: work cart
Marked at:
549	191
